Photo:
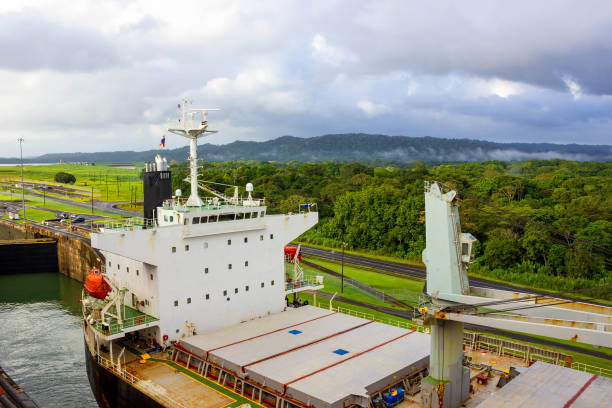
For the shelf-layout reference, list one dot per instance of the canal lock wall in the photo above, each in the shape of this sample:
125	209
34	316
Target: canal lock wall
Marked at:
70	255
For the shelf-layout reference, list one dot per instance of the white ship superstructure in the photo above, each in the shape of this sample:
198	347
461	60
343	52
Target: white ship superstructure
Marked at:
205	280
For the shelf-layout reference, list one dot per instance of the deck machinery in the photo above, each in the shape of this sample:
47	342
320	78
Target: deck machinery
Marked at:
452	303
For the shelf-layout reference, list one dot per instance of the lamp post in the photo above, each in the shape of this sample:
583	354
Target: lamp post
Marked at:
342	285
20	140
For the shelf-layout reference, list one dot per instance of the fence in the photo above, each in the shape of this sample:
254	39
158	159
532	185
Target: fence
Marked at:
478	341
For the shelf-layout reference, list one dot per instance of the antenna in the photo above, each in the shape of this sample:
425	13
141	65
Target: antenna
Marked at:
192	127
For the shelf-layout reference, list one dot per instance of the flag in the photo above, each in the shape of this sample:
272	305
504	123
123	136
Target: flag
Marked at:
163	141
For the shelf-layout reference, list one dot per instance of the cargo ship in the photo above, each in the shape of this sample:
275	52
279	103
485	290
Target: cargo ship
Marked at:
191	308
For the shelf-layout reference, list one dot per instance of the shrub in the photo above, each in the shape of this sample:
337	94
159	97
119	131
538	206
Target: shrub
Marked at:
65	178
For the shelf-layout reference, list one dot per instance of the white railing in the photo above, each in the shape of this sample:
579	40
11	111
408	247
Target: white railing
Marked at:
178	204
390	322
137	382
604	372
126	224
536	354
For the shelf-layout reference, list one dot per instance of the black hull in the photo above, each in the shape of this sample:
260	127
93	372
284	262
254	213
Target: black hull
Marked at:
112	391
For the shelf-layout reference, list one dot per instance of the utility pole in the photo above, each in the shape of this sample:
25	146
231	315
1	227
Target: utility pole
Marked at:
342	286
20	140
92	198
44	196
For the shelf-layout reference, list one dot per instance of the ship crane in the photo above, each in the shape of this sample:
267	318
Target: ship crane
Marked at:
451	304
192	125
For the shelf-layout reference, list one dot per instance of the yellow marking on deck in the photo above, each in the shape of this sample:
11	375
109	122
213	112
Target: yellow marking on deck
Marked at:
171	363
217	391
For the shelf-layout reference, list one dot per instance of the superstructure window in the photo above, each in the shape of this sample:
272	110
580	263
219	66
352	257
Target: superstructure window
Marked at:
186	247
254	215
118	266
262	213
225	293
272	283
246	288
165	218
205	245
212	218
195	220
137	272
229	266
262	284
246	240
203	220
175	303
236	290
127	269
271	236
205	270
151	274
173	249
229	242
188	300
171	218
246	263
227	217
261	237
109	264
207	296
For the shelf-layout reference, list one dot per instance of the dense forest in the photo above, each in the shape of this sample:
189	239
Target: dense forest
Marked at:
366	148
542	223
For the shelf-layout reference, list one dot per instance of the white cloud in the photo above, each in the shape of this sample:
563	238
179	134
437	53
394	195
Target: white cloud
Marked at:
329	54
372	109
280	67
573	86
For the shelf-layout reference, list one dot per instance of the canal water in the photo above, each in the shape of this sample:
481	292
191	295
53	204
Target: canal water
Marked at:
41	342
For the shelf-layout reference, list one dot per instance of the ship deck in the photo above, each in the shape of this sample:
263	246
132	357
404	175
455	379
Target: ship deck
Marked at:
315	356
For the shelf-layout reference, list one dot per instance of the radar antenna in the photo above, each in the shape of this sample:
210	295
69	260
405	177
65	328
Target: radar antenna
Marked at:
192	125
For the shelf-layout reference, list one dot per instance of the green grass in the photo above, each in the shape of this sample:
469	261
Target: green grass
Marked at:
110	183
37	215
386	283
332	284
56	206
367	254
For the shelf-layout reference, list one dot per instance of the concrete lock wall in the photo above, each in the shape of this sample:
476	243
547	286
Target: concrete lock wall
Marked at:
75	256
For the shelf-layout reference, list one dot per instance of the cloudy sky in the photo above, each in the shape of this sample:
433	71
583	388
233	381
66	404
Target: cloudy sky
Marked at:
107	75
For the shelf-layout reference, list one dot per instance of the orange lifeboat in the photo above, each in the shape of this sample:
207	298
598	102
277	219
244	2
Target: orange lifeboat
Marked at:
290	254
95	285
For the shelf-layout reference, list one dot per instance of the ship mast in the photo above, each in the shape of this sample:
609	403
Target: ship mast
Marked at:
192	128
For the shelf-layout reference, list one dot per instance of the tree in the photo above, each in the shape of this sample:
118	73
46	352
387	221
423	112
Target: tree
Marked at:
65	178
501	250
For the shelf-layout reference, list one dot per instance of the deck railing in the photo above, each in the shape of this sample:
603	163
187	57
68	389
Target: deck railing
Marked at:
125	224
478	341
138	383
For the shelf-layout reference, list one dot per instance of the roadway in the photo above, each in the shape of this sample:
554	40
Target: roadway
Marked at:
405	270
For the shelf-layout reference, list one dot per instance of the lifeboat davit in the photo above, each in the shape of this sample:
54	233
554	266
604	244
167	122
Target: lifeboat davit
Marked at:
95	285
290	254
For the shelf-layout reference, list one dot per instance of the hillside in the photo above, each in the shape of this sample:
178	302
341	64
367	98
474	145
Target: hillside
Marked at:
351	147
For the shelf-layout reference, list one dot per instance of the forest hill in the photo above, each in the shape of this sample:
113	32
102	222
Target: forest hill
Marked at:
380	209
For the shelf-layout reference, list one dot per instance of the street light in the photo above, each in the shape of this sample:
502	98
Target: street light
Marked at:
20	140
344	244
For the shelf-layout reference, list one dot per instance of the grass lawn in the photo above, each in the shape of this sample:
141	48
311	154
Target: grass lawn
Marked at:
56	206
372	255
386	283
332	284
37	215
110	183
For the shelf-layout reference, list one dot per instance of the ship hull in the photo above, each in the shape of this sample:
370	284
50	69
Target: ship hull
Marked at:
112	391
